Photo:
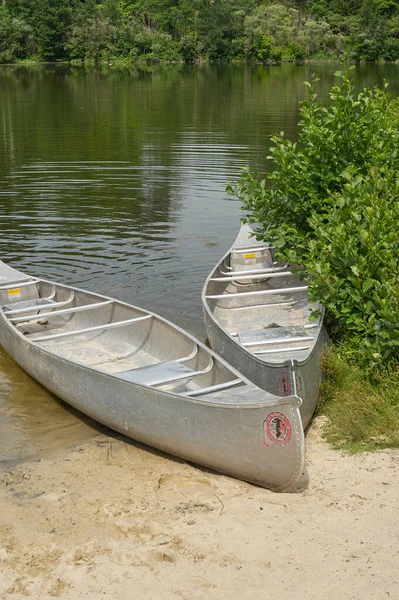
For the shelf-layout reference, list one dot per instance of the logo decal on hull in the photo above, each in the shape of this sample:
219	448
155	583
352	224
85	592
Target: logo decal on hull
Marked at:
284	384
277	429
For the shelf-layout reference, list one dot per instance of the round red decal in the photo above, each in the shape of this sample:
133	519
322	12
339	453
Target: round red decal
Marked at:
284	385
278	429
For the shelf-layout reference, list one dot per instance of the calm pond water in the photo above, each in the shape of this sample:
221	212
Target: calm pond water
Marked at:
115	181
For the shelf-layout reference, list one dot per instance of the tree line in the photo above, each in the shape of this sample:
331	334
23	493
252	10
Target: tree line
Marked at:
153	31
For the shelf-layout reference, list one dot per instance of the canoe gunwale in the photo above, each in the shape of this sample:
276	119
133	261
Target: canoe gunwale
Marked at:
56	313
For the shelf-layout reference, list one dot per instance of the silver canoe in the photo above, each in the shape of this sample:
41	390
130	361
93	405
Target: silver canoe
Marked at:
148	379
257	317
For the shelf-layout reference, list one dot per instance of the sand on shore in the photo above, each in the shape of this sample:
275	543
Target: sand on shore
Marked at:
116	520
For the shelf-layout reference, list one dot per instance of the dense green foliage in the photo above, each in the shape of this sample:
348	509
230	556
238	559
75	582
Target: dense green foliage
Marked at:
190	30
331	205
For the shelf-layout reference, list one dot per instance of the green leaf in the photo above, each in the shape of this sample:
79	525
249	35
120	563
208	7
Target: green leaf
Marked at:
367	284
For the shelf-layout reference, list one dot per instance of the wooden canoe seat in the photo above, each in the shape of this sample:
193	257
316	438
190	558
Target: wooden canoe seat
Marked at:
164	372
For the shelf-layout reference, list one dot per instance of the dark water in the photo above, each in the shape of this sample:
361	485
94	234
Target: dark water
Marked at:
115	181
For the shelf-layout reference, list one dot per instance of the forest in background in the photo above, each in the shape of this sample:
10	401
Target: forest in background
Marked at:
132	31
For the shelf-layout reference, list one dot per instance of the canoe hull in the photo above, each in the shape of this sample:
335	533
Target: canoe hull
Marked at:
285	378
232	292
235	438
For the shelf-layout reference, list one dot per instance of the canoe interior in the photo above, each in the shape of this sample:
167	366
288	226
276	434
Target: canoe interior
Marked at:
144	350
263	304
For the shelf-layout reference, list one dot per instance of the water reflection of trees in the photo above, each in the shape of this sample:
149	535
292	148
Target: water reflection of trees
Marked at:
81	149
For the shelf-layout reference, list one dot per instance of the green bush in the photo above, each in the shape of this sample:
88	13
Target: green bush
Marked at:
264	46
391	49
276	53
294	51
331	205
189	48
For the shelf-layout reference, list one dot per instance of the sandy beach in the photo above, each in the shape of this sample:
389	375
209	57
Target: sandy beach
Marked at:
114	519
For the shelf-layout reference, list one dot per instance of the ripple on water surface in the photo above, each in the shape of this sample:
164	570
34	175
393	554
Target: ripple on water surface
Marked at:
136	232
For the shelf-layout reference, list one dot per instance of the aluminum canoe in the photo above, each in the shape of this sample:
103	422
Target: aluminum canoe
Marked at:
258	318
148	379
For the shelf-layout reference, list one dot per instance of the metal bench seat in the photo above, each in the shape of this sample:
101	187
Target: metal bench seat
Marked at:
160	373
274	335
38	304
34	304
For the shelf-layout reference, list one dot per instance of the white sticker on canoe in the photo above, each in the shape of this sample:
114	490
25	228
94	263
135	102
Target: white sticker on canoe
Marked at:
14	294
276	429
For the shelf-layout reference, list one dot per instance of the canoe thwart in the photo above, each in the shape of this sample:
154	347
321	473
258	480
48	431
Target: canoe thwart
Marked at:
213	388
63	311
282	340
253	271
268	274
257	306
9	286
44	338
300	288
15	282
244	250
277	351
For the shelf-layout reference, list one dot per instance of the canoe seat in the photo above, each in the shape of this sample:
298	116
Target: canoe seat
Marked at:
251	258
35	304
273	335
158	374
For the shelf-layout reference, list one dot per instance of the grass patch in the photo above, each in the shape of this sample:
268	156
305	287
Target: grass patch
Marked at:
362	412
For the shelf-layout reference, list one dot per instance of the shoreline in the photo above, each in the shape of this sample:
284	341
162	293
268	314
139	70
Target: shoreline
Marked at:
123	64
114	519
